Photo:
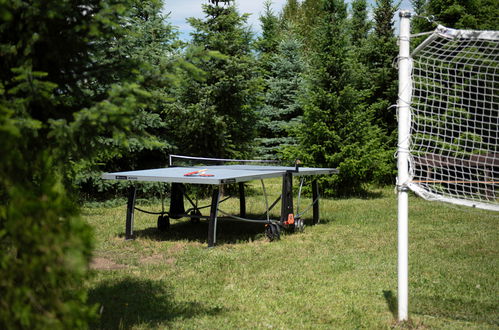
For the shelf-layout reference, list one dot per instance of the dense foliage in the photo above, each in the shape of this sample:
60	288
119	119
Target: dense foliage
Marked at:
472	14
45	246
98	85
348	86
76	87
281	112
215	117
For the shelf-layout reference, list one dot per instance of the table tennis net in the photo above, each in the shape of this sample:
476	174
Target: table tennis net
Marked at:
191	161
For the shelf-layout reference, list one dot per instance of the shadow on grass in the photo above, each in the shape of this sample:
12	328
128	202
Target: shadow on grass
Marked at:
228	232
391	301
130	302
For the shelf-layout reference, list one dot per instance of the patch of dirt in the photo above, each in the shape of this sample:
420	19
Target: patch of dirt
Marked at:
100	263
176	248
157	259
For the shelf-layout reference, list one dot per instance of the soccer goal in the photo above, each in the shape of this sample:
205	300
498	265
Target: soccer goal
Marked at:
448	111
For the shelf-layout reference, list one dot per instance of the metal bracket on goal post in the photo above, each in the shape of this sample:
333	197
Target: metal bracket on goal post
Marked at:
404	118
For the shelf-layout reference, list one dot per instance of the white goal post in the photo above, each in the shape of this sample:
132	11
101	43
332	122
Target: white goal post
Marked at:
448	135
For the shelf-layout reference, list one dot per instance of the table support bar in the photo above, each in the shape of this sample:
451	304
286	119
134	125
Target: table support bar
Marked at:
212	227
315	199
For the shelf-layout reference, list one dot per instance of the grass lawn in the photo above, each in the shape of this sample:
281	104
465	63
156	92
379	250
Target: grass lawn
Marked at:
341	273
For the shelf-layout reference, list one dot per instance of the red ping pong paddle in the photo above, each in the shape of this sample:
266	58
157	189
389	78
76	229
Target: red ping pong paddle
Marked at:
199	173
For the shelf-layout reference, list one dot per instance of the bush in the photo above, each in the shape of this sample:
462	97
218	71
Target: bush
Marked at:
46	249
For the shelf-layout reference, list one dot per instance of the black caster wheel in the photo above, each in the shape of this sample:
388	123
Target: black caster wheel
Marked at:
277	230
163	223
273	231
269	231
195	216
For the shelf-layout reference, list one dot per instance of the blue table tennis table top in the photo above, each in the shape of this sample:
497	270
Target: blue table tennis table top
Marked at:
218	174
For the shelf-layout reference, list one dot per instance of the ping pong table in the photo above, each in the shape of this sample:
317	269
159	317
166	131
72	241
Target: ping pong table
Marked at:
218	176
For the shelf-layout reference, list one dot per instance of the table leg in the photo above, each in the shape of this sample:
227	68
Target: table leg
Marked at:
130	213
212	227
177	209
242	201
315	200
287	196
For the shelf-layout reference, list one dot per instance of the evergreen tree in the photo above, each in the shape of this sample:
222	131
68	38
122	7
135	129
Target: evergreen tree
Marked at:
380	84
356	63
337	129
290	11
73	87
359	22
326	78
302	18
281	111
474	14
419	22
145	52
46	58
218	114
268	42
379	55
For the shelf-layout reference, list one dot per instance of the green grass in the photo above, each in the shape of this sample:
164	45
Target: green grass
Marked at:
339	274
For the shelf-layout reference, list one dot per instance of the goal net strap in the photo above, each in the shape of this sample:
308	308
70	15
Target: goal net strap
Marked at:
454	131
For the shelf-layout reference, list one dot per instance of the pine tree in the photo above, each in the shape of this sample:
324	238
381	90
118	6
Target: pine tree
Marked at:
218	115
302	18
359	22
319	134
337	128
290	11
268	42
75	87
375	57
282	110
379	54
51	115
145	52
419	22
475	14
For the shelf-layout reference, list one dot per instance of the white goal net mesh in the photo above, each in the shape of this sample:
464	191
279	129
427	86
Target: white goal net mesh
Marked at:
454	138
